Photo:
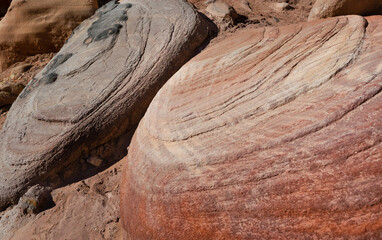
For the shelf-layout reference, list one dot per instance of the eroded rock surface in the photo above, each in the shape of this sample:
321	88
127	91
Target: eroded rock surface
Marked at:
331	8
260	13
272	133
88	209
94	92
39	26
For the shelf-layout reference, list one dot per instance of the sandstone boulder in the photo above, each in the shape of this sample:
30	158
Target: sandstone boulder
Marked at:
85	102
222	11
39	26
331	8
272	133
223	14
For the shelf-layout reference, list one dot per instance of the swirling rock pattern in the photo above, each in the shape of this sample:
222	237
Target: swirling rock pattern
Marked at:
39	26
95	89
273	133
331	8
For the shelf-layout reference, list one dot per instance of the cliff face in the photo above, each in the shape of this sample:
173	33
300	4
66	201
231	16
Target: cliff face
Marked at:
267	126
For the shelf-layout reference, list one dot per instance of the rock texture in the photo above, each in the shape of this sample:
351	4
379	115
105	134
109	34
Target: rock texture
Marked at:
88	209
39	26
223	14
261	13
331	8
94	92
272	133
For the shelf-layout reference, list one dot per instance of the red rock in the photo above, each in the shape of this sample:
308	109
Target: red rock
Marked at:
88	209
86	102
39	26
260	13
272	133
331	8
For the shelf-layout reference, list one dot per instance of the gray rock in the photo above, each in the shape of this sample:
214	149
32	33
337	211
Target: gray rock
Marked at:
36	199
95	90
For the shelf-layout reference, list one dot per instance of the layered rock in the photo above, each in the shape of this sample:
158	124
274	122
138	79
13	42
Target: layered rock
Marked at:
94	92
331	8
272	133
39	26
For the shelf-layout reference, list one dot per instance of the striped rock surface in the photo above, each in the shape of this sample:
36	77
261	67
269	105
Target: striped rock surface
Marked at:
273	133
332	8
39	26
94	90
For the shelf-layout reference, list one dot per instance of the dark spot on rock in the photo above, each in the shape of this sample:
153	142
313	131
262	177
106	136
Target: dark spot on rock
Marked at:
31	85
109	21
58	60
123	18
50	78
25	92
108	32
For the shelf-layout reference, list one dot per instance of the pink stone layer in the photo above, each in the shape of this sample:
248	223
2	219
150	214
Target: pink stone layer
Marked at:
273	133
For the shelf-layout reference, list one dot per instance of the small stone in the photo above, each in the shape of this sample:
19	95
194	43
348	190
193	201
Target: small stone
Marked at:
280	7
222	11
95	161
36	199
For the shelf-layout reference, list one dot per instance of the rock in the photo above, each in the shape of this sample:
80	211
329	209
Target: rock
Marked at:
222	10
331	8
39	26
88	209
259	13
95	161
94	92
224	15
279	7
9	92
272	133
36	199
